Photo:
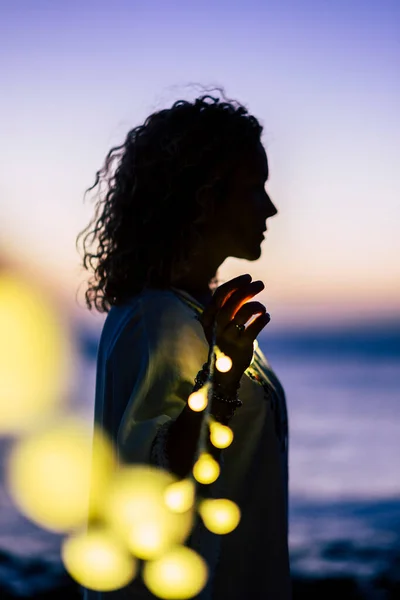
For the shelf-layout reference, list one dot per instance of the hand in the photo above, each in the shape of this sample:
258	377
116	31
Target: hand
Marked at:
229	307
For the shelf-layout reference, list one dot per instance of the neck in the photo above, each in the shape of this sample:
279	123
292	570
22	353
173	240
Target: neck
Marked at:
204	265
202	295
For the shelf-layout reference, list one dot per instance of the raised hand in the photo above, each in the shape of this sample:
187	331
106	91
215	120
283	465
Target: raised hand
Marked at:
229	307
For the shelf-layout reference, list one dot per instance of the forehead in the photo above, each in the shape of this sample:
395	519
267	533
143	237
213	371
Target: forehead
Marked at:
254	163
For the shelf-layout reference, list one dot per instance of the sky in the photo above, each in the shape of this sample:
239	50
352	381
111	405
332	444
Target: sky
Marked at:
322	77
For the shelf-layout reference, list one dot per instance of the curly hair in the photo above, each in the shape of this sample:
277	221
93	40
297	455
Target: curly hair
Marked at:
154	210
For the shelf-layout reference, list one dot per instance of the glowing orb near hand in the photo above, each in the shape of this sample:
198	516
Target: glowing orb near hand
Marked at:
220	515
179	574
223	364
98	561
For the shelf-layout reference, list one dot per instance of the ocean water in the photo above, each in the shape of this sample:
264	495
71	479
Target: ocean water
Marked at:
343	396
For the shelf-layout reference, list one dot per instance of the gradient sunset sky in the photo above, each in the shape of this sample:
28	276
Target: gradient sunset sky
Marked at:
322	77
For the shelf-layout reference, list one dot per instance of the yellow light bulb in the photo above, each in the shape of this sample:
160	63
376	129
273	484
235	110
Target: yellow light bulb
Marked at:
221	435
220	515
223	364
206	469
180	573
135	508
179	496
98	561
35	357
50	474
148	539
198	400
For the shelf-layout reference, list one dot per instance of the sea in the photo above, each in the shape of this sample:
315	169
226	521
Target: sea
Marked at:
342	388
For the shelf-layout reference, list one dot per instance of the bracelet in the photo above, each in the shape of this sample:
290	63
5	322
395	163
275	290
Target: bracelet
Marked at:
233	402
224	412
203	375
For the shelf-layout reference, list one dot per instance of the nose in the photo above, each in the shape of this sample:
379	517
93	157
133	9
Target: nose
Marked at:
272	210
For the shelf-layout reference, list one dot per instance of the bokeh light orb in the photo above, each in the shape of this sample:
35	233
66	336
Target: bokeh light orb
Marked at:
223	363
135	508
221	436
50	473
34	356
206	469
180	573
198	400
219	515
98	561
179	497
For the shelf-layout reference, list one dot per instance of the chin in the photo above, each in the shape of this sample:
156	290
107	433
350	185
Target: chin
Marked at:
250	253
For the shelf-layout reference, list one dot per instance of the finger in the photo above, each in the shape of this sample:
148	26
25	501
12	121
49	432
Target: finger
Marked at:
225	290
220	295
248	310
257	325
237	300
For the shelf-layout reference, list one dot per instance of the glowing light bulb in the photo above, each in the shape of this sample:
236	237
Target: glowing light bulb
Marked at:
50	474
148	539
221	435
135	507
180	573
98	561
223	364
35	355
206	469
179	496
219	515
198	400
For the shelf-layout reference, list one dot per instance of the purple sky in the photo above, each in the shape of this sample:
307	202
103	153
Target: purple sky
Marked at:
322	77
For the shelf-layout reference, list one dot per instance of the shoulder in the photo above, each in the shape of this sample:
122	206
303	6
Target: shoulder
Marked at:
153	317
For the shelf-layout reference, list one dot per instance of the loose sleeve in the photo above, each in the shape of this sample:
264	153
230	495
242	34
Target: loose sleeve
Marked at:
151	364
154	362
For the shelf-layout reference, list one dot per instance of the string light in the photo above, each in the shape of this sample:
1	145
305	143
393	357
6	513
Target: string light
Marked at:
180	573
135	508
98	561
221	435
179	497
35	357
50	474
146	513
198	400
220	515
206	469
223	362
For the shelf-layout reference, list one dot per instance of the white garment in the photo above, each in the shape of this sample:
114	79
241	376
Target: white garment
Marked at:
150	352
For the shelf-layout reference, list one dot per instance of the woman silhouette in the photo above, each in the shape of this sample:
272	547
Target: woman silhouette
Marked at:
188	192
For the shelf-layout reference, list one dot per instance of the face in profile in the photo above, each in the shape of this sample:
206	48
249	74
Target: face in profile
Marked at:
243	217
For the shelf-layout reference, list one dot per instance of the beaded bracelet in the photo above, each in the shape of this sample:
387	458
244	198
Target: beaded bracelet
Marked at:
218	394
